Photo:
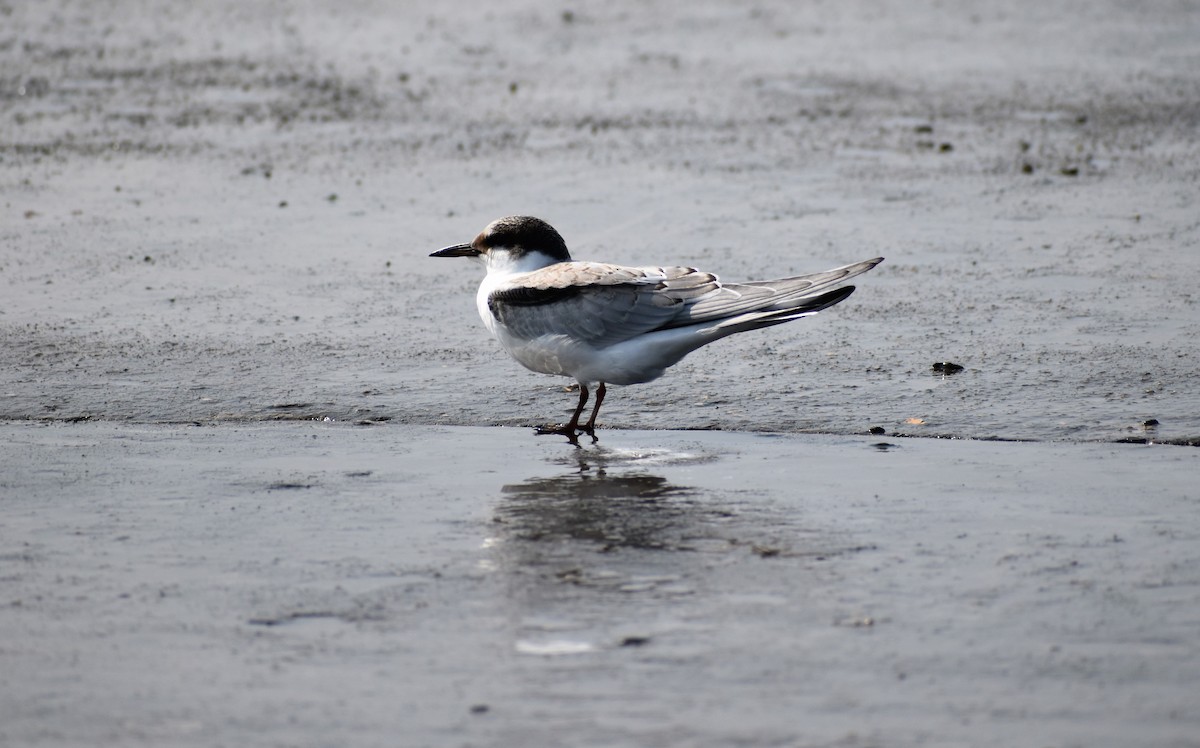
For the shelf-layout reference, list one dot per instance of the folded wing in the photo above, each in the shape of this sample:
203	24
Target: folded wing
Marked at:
602	305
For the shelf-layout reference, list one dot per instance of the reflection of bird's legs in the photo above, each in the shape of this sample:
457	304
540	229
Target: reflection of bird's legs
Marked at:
590	428
568	430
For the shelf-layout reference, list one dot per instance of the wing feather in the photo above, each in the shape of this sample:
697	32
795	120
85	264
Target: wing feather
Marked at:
595	303
770	295
601	304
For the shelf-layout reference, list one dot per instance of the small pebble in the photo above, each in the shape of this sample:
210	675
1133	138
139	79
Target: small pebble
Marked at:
946	367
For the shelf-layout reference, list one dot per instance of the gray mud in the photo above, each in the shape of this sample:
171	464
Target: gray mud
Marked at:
223	212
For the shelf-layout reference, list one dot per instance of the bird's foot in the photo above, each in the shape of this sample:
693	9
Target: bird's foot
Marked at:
560	429
565	429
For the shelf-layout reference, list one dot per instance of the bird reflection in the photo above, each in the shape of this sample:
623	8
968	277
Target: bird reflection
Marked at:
631	510
591	554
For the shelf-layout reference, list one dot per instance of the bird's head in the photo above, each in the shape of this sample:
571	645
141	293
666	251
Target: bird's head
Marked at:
522	241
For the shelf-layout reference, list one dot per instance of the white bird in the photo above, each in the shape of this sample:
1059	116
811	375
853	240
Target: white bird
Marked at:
611	324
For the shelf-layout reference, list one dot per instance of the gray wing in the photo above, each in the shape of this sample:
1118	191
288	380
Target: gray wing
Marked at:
797	294
596	303
605	304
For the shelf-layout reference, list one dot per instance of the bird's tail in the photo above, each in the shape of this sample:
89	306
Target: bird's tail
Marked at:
799	308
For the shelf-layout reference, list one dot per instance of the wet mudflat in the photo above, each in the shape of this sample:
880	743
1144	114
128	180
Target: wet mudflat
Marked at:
205	225
265	479
315	584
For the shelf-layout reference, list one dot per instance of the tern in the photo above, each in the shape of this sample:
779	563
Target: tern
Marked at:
610	324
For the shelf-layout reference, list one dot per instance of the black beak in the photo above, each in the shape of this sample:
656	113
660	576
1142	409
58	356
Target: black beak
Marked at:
458	250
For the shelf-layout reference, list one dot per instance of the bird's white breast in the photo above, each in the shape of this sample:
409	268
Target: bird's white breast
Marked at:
545	354
504	271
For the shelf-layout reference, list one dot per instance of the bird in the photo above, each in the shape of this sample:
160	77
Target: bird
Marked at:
605	324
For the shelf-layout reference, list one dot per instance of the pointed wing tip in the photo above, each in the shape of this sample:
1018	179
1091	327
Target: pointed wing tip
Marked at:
859	268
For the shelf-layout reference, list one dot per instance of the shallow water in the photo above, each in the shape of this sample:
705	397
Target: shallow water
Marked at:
308	582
